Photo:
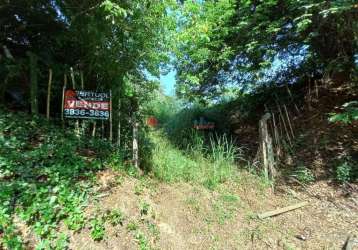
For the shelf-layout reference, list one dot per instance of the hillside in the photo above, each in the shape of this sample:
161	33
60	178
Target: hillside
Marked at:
178	124
70	199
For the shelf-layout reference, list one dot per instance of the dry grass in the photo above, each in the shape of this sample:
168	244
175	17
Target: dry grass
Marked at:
188	216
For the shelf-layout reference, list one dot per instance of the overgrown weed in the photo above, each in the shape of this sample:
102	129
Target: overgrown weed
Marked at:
209	163
46	176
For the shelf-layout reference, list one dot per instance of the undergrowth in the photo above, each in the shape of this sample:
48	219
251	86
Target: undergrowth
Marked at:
209	163
46	175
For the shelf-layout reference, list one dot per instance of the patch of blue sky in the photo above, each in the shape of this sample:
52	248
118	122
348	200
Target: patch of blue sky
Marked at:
167	81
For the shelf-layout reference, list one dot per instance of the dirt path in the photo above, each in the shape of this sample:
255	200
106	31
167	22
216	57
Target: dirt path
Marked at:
183	216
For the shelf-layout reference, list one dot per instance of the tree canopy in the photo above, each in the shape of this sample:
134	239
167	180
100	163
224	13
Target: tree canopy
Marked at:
249	43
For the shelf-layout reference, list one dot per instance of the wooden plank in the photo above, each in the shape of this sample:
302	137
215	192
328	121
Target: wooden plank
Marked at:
282	210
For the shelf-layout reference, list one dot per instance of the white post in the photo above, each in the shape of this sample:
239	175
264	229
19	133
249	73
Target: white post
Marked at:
135	143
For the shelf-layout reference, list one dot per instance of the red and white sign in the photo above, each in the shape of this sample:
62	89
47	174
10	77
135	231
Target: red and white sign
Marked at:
86	104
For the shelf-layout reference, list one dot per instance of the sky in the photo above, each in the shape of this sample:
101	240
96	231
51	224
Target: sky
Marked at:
168	83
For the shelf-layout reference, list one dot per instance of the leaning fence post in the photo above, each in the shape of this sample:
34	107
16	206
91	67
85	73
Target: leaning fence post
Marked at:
266	147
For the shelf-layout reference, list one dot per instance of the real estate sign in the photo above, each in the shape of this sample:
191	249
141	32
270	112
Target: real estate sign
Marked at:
81	104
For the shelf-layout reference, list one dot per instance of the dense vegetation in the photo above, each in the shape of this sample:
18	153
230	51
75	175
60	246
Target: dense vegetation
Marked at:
46	175
244	44
235	60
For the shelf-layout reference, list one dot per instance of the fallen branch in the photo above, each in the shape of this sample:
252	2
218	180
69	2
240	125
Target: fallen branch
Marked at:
282	210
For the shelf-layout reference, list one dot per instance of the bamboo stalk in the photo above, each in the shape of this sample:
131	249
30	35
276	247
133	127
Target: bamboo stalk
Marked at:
33	82
309	95
73	79
63	97
77	124
83	123
119	123
290	94
289	121
110	117
277	136
49	94
284	124
94	128
82	80
102	129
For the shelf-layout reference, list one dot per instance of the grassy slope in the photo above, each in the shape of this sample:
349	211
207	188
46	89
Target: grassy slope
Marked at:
55	193
171	164
46	175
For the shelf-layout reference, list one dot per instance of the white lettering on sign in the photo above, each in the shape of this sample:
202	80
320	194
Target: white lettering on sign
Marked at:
87	104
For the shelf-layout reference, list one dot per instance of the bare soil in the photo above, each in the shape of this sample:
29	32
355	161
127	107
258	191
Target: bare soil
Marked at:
187	216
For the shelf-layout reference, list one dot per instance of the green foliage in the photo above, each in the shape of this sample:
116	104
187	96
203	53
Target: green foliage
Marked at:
132	226
97	228
144	208
115	45
208	164
162	107
349	114
225	43
153	229
46	177
303	174
10	239
142	241
347	171
138	189
225	207
115	217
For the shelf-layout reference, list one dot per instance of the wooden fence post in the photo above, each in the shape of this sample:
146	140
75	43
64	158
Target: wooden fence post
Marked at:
119	122
110	117
63	97
49	94
94	128
83	122
135	143
77	123
266	147
33	83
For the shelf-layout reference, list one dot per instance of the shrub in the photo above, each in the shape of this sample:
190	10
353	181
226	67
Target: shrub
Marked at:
46	176
344	172
303	175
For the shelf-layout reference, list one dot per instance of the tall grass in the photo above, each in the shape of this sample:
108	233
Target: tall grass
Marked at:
205	164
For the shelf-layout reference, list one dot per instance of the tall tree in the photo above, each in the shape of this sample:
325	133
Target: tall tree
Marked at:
228	41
